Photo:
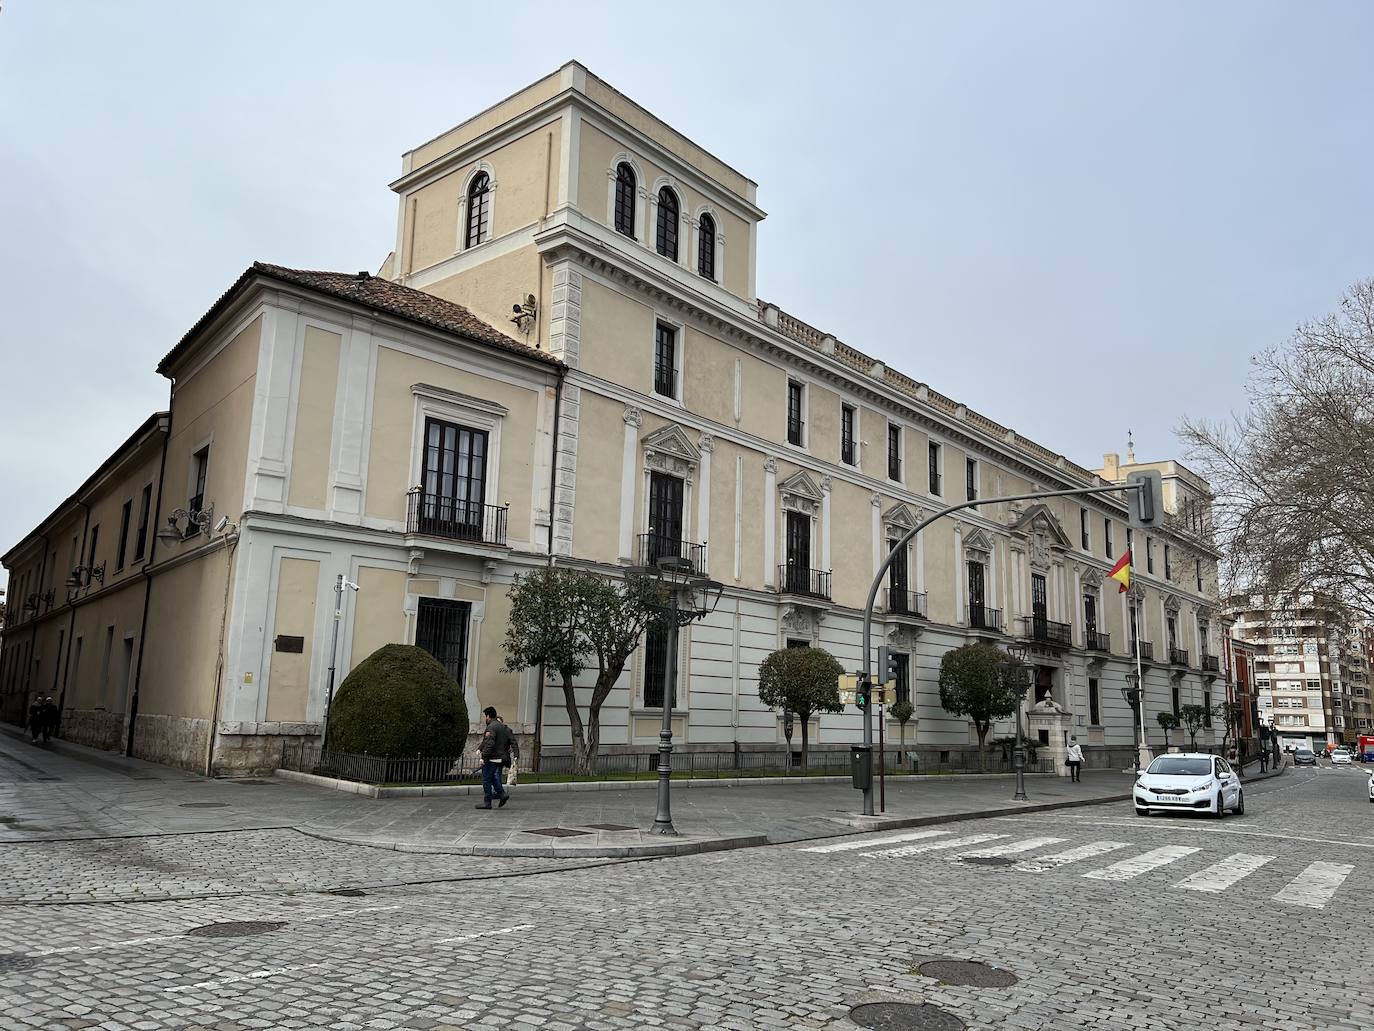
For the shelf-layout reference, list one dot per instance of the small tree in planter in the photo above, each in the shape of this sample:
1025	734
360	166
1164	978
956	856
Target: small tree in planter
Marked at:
902	712
1169	722
1194	718
971	684
803	680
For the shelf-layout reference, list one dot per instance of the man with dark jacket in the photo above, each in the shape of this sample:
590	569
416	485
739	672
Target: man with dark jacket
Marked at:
36	717
495	750
50	717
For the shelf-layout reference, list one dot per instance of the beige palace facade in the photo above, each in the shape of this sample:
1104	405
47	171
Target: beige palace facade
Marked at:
564	359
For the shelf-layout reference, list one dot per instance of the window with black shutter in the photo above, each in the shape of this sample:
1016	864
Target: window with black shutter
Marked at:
665	239
971	479
894	452
665	360
706	247
625	199
655	665
125	514
847	435
935	487
794	413
1094	703
144	505
903	678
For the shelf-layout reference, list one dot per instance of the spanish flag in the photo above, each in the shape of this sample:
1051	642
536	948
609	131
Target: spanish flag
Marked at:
1121	572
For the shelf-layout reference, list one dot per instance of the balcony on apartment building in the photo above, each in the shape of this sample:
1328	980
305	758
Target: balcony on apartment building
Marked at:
809	583
1096	641
1210	663
1046	631
657	549
981	617
1178	656
454	519
906	603
1145	649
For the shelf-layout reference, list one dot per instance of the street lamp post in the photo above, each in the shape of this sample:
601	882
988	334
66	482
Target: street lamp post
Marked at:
687	597
1015	675
1131	692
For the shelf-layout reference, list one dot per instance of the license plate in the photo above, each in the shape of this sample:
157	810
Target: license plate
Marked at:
1164	798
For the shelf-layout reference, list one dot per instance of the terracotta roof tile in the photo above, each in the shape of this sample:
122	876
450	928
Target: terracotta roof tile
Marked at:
380	295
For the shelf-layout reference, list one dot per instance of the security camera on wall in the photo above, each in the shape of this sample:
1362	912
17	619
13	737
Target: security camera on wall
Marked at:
223	522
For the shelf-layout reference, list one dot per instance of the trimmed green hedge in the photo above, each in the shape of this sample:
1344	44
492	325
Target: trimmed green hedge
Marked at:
397	702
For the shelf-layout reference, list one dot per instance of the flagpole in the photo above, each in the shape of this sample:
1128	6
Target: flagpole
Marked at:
1140	679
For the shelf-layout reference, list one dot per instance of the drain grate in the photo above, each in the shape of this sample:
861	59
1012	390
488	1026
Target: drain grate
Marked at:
235	928
904	1016
12	961
351	893
246	782
556	832
203	805
609	827
987	860
967	972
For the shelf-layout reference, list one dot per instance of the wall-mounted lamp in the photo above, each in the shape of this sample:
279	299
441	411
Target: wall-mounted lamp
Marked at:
183	523
523	314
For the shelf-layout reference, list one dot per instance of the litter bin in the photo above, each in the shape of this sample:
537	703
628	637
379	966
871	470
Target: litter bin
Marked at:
861	766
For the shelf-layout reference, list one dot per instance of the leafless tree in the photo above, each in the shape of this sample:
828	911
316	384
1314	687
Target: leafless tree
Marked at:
1294	504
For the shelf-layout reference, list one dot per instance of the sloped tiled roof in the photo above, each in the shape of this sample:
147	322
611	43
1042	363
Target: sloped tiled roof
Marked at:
380	295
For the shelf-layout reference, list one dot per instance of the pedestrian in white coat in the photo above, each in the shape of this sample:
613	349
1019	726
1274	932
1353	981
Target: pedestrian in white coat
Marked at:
1074	759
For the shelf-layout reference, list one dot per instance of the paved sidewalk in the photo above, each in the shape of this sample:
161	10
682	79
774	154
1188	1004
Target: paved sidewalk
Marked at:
66	792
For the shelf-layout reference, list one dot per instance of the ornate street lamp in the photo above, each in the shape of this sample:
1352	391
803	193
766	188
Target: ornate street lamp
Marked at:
1016	676
1131	692
686	597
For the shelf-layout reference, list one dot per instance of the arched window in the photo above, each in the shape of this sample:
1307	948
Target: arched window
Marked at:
625	199
706	247
666	239
479	210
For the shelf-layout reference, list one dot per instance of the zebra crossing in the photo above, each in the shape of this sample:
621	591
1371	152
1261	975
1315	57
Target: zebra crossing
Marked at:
1313	887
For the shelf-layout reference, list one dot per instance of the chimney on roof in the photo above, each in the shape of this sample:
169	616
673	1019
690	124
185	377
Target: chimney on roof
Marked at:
1111	467
363	277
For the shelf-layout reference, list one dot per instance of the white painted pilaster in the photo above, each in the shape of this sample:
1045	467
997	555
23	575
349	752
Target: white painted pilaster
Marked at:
961	583
770	519
706	445
825	523
739	521
628	469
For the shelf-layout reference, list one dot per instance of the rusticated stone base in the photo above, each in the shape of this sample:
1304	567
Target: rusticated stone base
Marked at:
95	728
178	741
257	749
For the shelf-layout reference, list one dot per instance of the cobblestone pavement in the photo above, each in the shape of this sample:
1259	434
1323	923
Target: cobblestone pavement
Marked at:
1107	920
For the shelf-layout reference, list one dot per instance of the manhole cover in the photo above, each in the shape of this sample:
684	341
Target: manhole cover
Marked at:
957	971
235	928
203	805
987	860
904	1016
351	893
556	832
10	961
246	783
609	827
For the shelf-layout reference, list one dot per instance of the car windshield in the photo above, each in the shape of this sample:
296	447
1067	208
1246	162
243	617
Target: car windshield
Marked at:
1174	767
1304	752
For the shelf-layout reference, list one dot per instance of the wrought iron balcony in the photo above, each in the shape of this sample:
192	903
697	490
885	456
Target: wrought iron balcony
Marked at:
1096	641
436	516
1145	649
1178	656
980	617
814	583
1046	631
1210	663
902	602
656	548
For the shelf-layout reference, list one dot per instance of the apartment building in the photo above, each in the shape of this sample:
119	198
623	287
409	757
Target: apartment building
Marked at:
565	355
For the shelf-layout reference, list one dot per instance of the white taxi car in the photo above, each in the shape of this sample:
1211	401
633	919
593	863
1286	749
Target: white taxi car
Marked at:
1189	782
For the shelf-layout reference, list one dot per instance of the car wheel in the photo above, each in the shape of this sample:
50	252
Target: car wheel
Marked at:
1240	803
1145	812
1220	814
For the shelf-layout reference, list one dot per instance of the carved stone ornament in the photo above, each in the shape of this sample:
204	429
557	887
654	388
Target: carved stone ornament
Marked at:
876	500
799	620
899	517
706	444
976	542
1040	550
633	417
770	465
1171	603
903	638
825	484
1091	578
667	450
801	494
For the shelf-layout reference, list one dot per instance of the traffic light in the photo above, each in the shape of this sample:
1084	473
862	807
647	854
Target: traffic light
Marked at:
861	695
1145	507
890	665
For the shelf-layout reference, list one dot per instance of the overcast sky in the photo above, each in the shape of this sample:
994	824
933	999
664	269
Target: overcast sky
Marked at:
1075	218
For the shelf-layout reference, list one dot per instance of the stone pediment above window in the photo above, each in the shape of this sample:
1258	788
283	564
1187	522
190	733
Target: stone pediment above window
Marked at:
899	517
1043	533
668	450
1091	578
800	494
976	542
1171	603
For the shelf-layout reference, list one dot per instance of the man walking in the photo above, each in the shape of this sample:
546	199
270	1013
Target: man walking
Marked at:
51	715
495	750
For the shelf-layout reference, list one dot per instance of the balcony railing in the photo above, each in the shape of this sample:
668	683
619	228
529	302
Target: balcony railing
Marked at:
655	548
1046	631
1096	641
1145	649
665	381
902	602
1210	663
1178	656
813	583
980	617
795	429
436	516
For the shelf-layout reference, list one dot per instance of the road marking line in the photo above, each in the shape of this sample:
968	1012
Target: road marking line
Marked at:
106	945
344	914
1181	826
1315	885
254	976
932	846
1220	876
1042	863
845	846
1143	863
484	934
1012	846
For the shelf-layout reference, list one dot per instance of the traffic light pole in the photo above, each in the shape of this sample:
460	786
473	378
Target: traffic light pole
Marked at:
1150	514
